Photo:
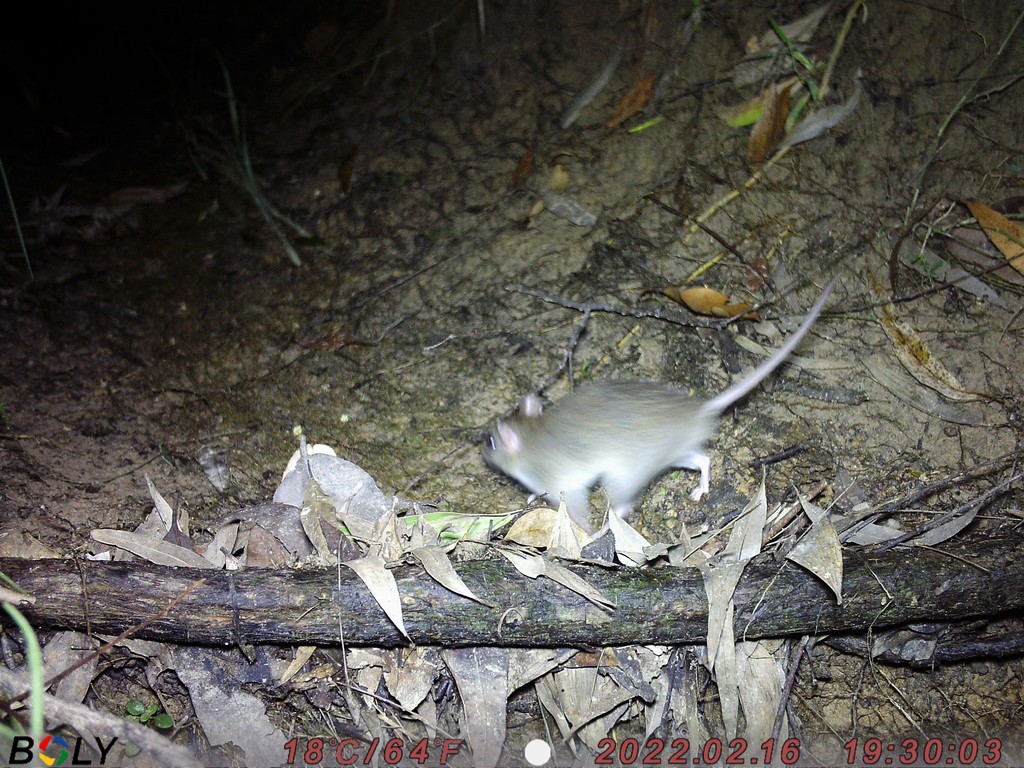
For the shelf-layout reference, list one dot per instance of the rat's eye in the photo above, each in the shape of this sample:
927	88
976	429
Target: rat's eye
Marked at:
490	443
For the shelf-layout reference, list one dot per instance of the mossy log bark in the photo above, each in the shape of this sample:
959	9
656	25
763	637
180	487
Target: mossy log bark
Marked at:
977	575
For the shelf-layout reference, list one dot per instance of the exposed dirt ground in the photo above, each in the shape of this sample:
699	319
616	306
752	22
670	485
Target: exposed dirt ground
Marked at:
151	329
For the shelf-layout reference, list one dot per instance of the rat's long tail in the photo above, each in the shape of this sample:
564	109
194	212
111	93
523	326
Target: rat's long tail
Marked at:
719	403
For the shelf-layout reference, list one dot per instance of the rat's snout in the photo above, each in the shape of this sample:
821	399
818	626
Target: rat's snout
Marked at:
489	445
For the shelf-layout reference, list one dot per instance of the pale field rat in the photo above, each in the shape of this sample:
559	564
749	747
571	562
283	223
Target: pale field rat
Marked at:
621	434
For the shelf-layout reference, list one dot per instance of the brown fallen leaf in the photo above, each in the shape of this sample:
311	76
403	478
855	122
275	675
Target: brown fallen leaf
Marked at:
634	100
524	168
708	301
748	112
606	657
770	127
758	276
1005	234
346	168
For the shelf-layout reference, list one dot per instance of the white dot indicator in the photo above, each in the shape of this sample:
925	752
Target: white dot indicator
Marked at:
537	752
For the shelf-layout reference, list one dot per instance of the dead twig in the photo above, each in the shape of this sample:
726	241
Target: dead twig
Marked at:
569	349
591	307
974	505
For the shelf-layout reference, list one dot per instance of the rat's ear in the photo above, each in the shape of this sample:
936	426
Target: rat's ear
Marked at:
509	437
531	406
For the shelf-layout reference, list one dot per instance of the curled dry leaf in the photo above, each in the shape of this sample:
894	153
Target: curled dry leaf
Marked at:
535	565
354	492
634	100
708	301
770	127
551	529
630	545
820	552
153	550
410	675
163	509
302	655
317	510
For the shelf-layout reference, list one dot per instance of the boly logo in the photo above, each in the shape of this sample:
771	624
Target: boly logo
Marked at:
54	751
44	747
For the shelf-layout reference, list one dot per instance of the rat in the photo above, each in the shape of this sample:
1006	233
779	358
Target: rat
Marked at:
621	434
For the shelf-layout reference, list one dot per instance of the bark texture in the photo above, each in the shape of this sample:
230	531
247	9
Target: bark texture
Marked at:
977	575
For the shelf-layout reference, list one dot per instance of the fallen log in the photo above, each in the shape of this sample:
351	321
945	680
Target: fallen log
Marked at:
977	575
